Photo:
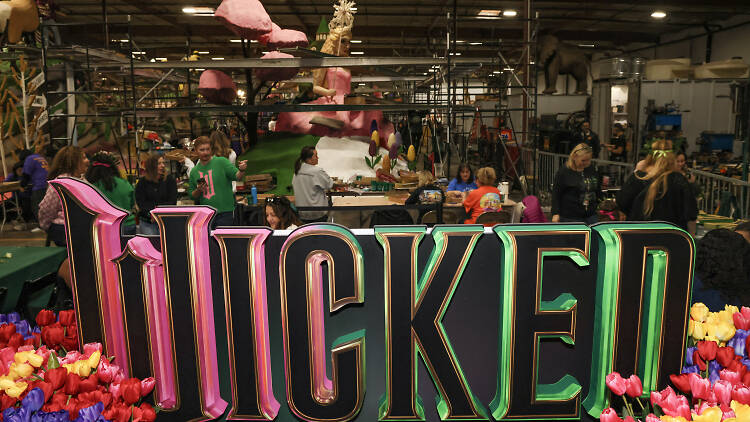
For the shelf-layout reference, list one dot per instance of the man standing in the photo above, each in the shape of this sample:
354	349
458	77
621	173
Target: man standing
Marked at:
35	174
617	149
588	137
211	182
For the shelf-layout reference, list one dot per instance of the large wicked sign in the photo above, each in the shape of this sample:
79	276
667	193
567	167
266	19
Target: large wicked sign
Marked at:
328	324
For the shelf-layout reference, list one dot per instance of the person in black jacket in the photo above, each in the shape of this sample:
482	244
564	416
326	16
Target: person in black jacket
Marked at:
577	188
668	196
154	189
588	137
427	193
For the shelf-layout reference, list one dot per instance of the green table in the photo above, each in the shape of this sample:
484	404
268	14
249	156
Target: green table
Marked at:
27	264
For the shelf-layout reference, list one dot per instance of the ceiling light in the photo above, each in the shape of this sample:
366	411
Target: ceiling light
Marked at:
475	43
202	52
198	10
509	13
357	52
455	54
353	9
238	40
120	40
356	41
496	72
587	45
217	58
199	70
361	84
152	60
659	14
488	12
460	41
240	93
161	59
139	52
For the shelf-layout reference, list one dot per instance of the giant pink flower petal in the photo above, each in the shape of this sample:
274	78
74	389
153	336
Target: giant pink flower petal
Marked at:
283	38
217	87
246	18
276	73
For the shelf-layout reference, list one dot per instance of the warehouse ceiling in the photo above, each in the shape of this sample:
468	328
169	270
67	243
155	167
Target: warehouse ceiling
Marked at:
396	27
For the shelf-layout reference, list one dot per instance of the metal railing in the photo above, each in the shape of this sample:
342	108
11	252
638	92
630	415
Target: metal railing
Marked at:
713	188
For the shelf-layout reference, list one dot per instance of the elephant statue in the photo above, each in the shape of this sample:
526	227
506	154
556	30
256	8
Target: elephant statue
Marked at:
562	59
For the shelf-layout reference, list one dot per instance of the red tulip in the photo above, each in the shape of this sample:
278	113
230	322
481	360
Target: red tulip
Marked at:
634	386
698	361
56	377
677	406
660	397
707	349
616	383
16	341
147	413
72	383
6	330
53	335
682	382
6	401
723	391
725	356
67	318
609	415
741	394
130	390
147	386
44	386
700	387
746	378
88	384
72	408
45	317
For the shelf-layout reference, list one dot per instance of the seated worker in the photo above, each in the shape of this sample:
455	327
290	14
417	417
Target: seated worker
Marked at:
486	198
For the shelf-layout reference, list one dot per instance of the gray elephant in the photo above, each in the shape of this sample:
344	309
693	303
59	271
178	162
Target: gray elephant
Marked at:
562	59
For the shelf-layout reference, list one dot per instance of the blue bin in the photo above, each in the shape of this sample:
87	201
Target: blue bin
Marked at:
667	119
717	141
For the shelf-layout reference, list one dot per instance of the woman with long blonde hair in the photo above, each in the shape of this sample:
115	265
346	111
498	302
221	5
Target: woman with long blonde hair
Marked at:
577	188
667	195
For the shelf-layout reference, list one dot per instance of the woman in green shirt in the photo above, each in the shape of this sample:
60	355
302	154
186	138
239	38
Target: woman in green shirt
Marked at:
104	174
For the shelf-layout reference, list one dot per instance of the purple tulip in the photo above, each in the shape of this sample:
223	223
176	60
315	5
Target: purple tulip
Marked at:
689	355
59	416
399	139
393	151
713	371
3	319
91	414
14	317
23	328
373	126
746	362
738	342
34	400
692	369
16	414
373	149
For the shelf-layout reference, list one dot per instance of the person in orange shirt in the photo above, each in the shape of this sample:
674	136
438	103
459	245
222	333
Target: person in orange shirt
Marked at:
486	198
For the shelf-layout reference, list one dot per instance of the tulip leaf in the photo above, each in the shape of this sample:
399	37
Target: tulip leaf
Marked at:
377	160
53	362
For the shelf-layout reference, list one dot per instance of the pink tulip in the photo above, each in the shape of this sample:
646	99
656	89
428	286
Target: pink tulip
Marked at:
147	385
742	319
700	387
106	371
616	383
703	406
652	418
26	348
114	389
741	394
726	414
609	415
71	357
90	348
733	377
659	398
634	386
723	391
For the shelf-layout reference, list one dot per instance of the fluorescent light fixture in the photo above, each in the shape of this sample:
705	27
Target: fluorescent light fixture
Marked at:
508	69
120	40
217	58
238	40
353	9
460	41
658	14
160	59
475	43
425	74
203	52
356	41
198	10
139	52
587	45
455	54
357	53
489	12
152	61
510	13
361	84
496	72
199	70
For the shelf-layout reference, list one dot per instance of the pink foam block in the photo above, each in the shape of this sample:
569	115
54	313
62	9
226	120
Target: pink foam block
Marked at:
217	87
246	18
276	73
283	38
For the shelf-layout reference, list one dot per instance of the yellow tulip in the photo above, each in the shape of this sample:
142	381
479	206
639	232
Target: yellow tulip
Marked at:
711	414
6	382
726	316
666	418
730	420
35	360
411	155
725	332
82	368
699	312
20	370
741	411
93	360
391	140
16	390
732	309
375	137
696	329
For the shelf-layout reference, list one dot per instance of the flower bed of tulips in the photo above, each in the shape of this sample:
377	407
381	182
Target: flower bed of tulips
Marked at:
714	384
43	376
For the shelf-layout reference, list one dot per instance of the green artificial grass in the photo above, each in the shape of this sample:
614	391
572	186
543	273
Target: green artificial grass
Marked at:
276	154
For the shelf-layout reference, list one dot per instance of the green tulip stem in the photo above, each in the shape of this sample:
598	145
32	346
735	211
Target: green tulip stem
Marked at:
628	406
643	409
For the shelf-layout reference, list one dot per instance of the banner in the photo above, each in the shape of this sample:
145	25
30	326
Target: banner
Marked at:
517	322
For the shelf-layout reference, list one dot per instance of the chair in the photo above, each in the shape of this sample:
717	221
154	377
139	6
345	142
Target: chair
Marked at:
497	217
431	218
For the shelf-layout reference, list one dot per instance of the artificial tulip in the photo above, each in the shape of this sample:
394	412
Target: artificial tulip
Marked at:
130	390
707	350
733	377
616	383
725	356
634	386
45	317
741	411
609	415
723	391
696	330
681	381
741	394
391	140
700	387
699	312
711	414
